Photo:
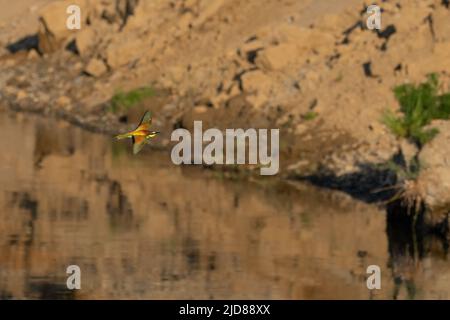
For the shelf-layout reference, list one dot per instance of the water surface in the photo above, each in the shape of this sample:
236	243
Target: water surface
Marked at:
140	227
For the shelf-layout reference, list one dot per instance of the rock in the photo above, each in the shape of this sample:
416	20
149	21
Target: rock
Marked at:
78	66
169	107
441	27
53	31
434	178
234	91
185	22
409	150
33	54
277	57
299	165
201	109
95	68
119	54
211	7
436	152
63	101
43	98
85	39
259	86
125	8
217	100
252	46
175	74
137	17
256	81
257	100
9	90
435	187
300	128
21	94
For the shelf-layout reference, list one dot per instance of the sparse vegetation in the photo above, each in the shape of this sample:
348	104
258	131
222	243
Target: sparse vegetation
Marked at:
122	101
408	171
419	104
310	115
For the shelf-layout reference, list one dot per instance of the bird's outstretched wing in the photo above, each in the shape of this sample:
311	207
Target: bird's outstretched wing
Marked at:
138	143
146	121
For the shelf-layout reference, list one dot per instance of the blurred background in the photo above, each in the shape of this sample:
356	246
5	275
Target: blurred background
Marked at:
140	227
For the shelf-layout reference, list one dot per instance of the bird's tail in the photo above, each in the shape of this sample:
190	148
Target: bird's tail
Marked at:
123	136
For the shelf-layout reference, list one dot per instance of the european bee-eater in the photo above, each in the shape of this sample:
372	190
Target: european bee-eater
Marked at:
142	134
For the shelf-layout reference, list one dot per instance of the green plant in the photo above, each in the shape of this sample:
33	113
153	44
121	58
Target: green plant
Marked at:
404	172
419	104
122	101
310	115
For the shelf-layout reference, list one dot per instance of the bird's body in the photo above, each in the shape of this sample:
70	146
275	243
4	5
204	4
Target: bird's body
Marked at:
141	135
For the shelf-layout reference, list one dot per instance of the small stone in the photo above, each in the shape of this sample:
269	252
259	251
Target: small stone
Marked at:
9	89
256	81
176	74
300	128
298	165
78	66
252	46
85	40
409	150
63	101
21	94
278	57
169	107
184	22
33	54
200	109
95	68
119	54
44	98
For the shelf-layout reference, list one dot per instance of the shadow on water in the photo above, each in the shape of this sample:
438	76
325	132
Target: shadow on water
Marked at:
141	227
49	289
47	143
411	242
119	208
371	183
367	184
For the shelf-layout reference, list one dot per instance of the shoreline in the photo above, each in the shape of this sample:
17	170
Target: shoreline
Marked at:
322	180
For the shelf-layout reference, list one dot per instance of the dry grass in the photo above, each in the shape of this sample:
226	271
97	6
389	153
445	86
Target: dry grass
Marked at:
409	193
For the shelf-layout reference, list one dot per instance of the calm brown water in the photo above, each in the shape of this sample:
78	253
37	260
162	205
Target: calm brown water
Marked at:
140	227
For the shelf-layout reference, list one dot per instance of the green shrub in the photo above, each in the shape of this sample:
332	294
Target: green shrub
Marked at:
122	101
310	115
419	104
404	172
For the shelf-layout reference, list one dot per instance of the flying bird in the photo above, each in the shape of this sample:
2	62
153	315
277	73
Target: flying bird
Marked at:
142	134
